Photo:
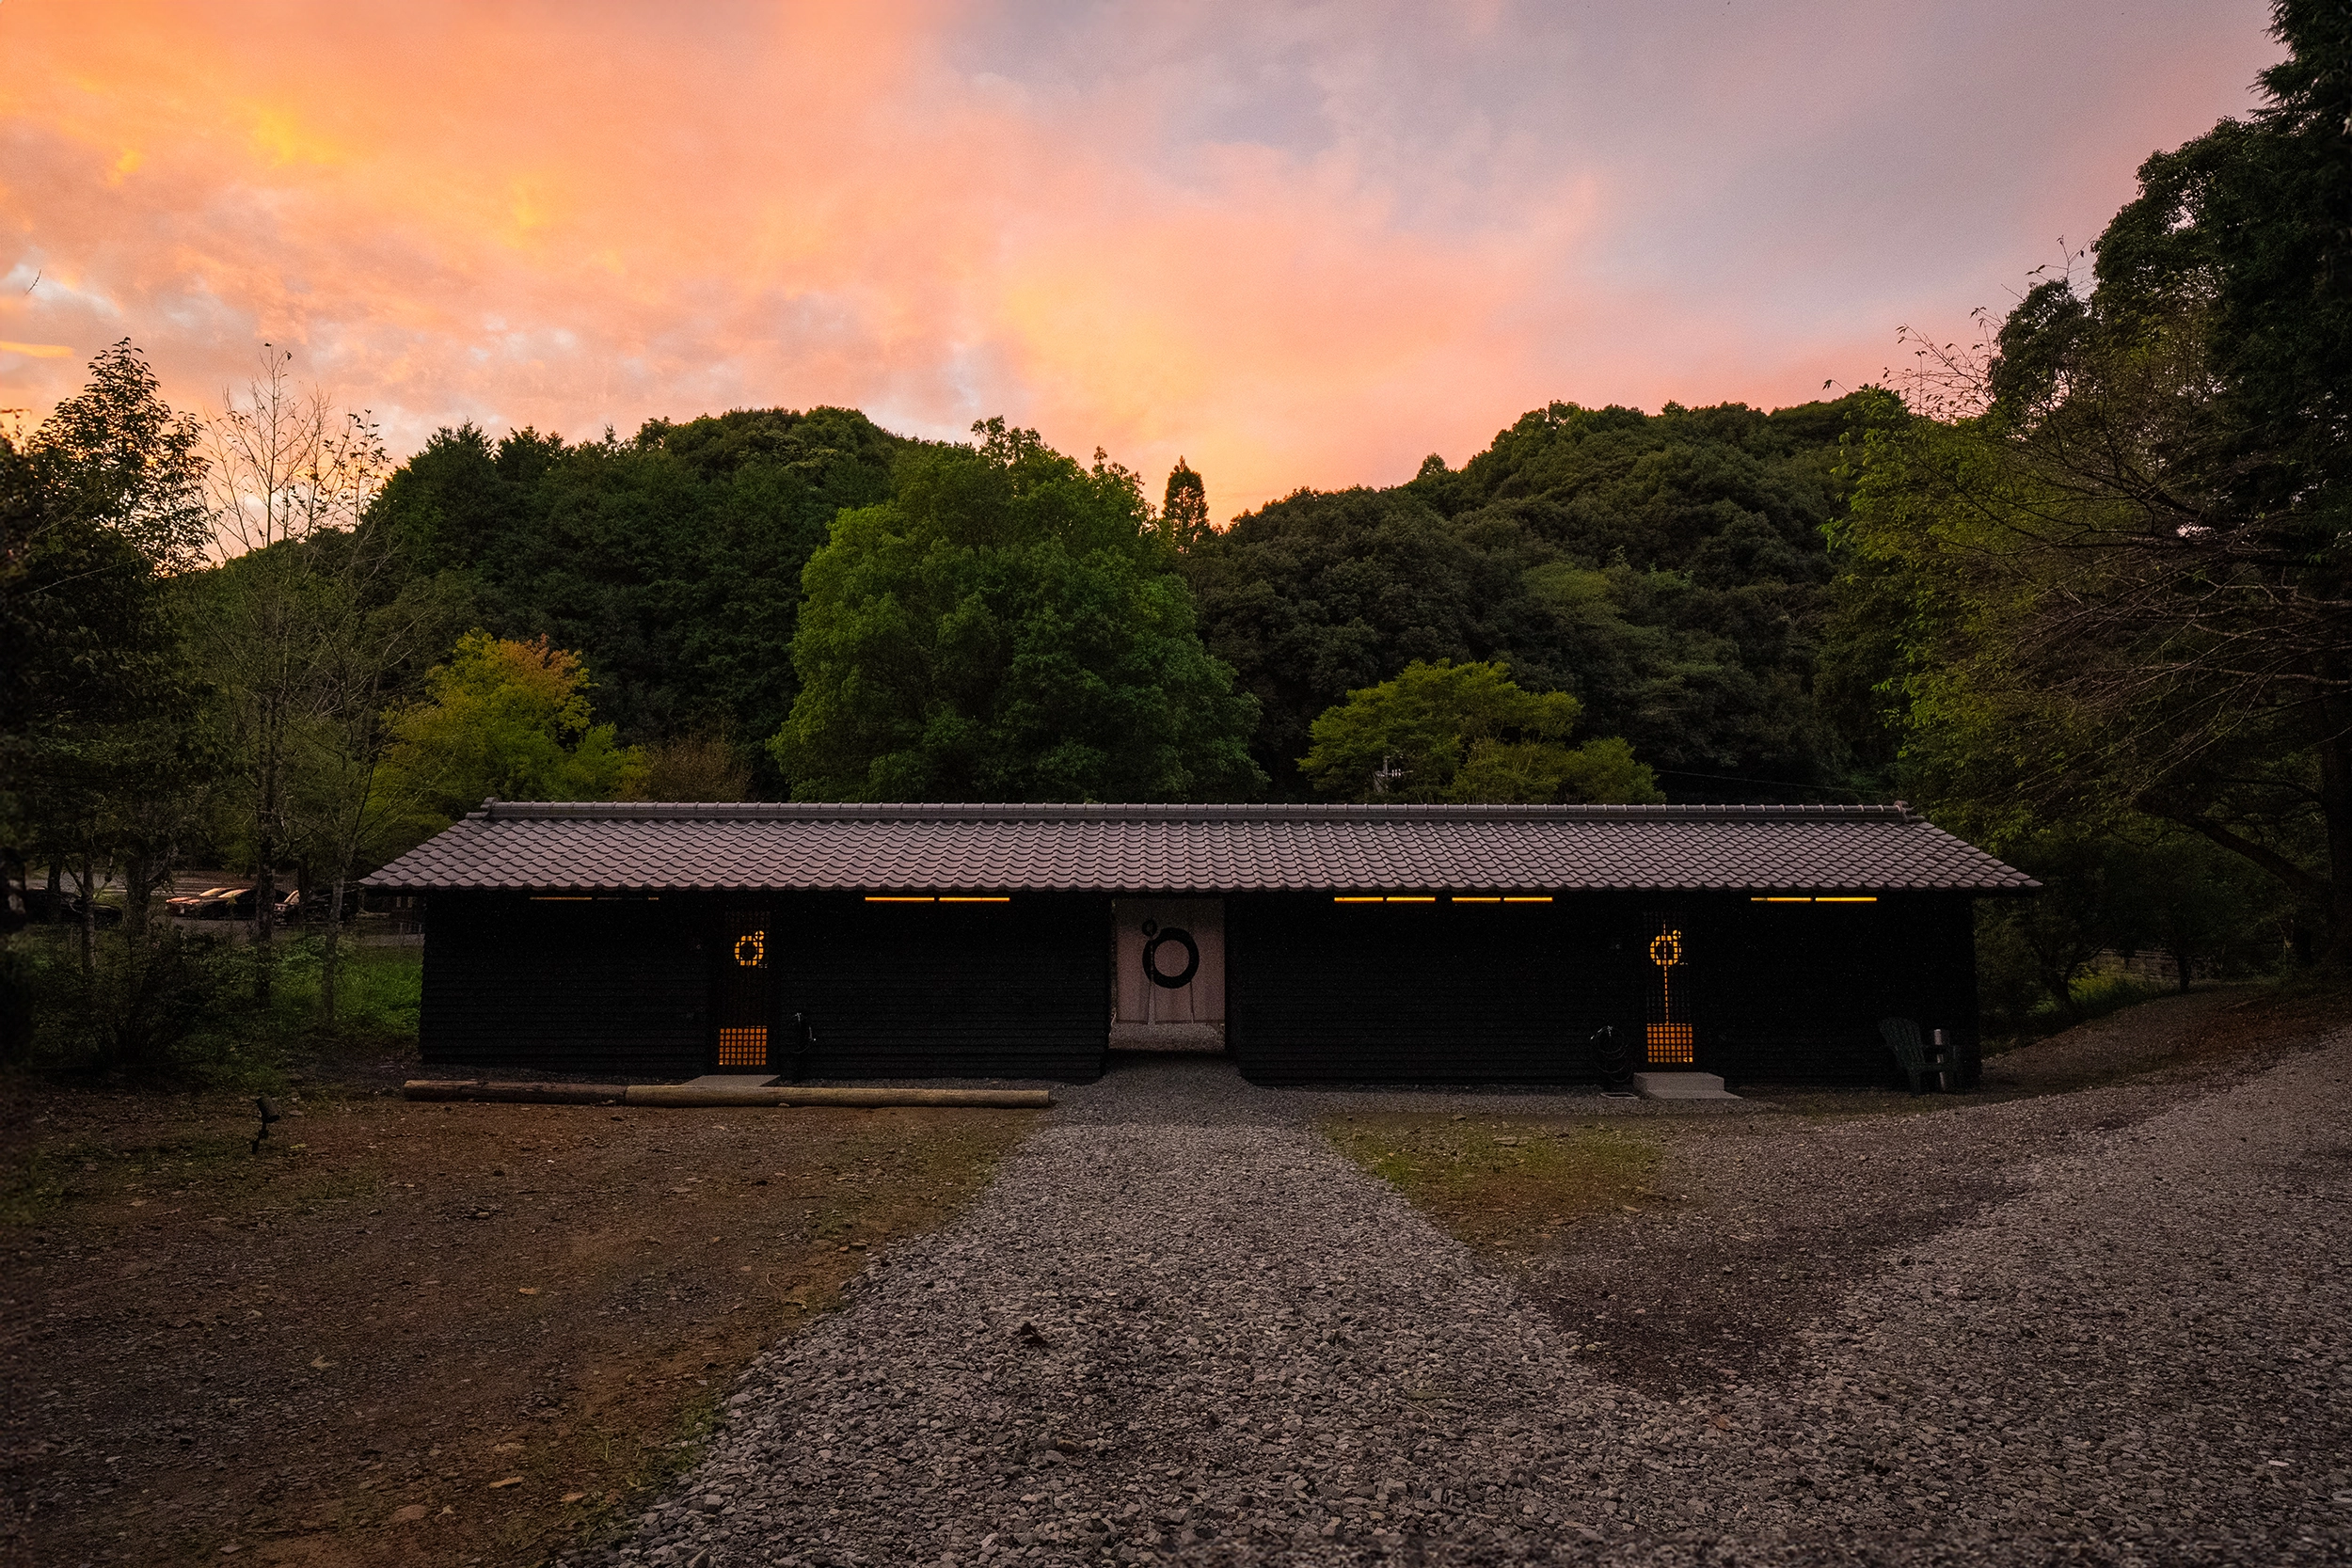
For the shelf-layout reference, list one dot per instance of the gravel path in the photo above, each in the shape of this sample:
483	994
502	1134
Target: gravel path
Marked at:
1180	1327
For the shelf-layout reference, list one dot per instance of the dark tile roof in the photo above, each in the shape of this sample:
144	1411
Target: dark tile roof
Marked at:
1012	849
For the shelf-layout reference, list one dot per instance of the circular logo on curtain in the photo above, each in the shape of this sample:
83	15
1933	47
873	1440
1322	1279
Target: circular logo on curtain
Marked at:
751	949
1159	939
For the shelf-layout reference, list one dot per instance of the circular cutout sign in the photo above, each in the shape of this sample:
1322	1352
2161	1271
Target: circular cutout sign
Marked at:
1182	939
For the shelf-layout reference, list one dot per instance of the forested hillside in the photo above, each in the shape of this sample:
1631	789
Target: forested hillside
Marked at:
670	562
1669	570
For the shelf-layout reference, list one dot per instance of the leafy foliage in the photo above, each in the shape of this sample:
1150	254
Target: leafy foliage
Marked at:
503	719
1007	625
1669	571
1464	733
1184	509
672	562
690	768
2118	559
103	763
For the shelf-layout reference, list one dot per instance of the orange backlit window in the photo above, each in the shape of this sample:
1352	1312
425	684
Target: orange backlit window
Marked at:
1672	1044
1671	1039
938	898
1433	898
744	1047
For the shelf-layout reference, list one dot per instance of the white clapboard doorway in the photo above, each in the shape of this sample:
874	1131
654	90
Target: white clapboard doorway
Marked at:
1169	955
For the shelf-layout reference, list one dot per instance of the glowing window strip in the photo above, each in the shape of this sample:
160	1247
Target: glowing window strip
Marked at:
1807	899
1433	898
941	899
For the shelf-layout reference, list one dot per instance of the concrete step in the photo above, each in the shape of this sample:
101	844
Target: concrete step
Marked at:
1680	1085
731	1081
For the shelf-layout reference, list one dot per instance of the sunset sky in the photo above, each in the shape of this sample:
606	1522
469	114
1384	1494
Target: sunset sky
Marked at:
1298	244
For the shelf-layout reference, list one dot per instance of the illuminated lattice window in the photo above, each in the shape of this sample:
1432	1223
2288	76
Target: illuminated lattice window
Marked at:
744	990
744	1047
1671	1041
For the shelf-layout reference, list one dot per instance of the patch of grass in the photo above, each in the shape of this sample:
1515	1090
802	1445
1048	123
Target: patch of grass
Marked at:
377	989
2095	996
35	1186
1502	1184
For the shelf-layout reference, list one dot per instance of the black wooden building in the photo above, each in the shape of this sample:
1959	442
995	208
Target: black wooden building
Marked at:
1320	943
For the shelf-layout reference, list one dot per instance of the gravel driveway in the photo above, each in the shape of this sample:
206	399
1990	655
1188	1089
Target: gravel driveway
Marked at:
1180	1327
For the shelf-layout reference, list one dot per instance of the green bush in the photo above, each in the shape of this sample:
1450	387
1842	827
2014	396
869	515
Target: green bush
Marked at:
176	1006
377	989
2009	982
2095	996
142	1005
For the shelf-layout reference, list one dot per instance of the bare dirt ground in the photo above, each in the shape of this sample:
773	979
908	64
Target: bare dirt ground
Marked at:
409	1332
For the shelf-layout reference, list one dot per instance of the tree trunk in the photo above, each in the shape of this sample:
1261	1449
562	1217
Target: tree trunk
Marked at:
2180	962
266	864
90	918
334	953
138	893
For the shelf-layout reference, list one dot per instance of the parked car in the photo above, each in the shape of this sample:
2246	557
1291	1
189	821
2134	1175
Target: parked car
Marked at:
312	911
65	908
186	904
214	903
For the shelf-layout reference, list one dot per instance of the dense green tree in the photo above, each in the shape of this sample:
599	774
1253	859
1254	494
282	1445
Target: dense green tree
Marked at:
690	768
501	719
1464	734
1184	509
2115	540
101	758
672	561
1668	570
1007	625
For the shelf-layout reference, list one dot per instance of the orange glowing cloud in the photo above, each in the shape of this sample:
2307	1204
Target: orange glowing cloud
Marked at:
1296	247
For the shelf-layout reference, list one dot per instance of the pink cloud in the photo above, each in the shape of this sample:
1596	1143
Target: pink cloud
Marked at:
1298	247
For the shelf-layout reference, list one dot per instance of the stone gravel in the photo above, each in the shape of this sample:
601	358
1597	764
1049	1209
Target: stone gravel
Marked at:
1180	1327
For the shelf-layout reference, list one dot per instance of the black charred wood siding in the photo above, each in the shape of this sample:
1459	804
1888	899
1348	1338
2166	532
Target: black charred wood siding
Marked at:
945	991
1448	993
612	987
1443	992
1794	992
